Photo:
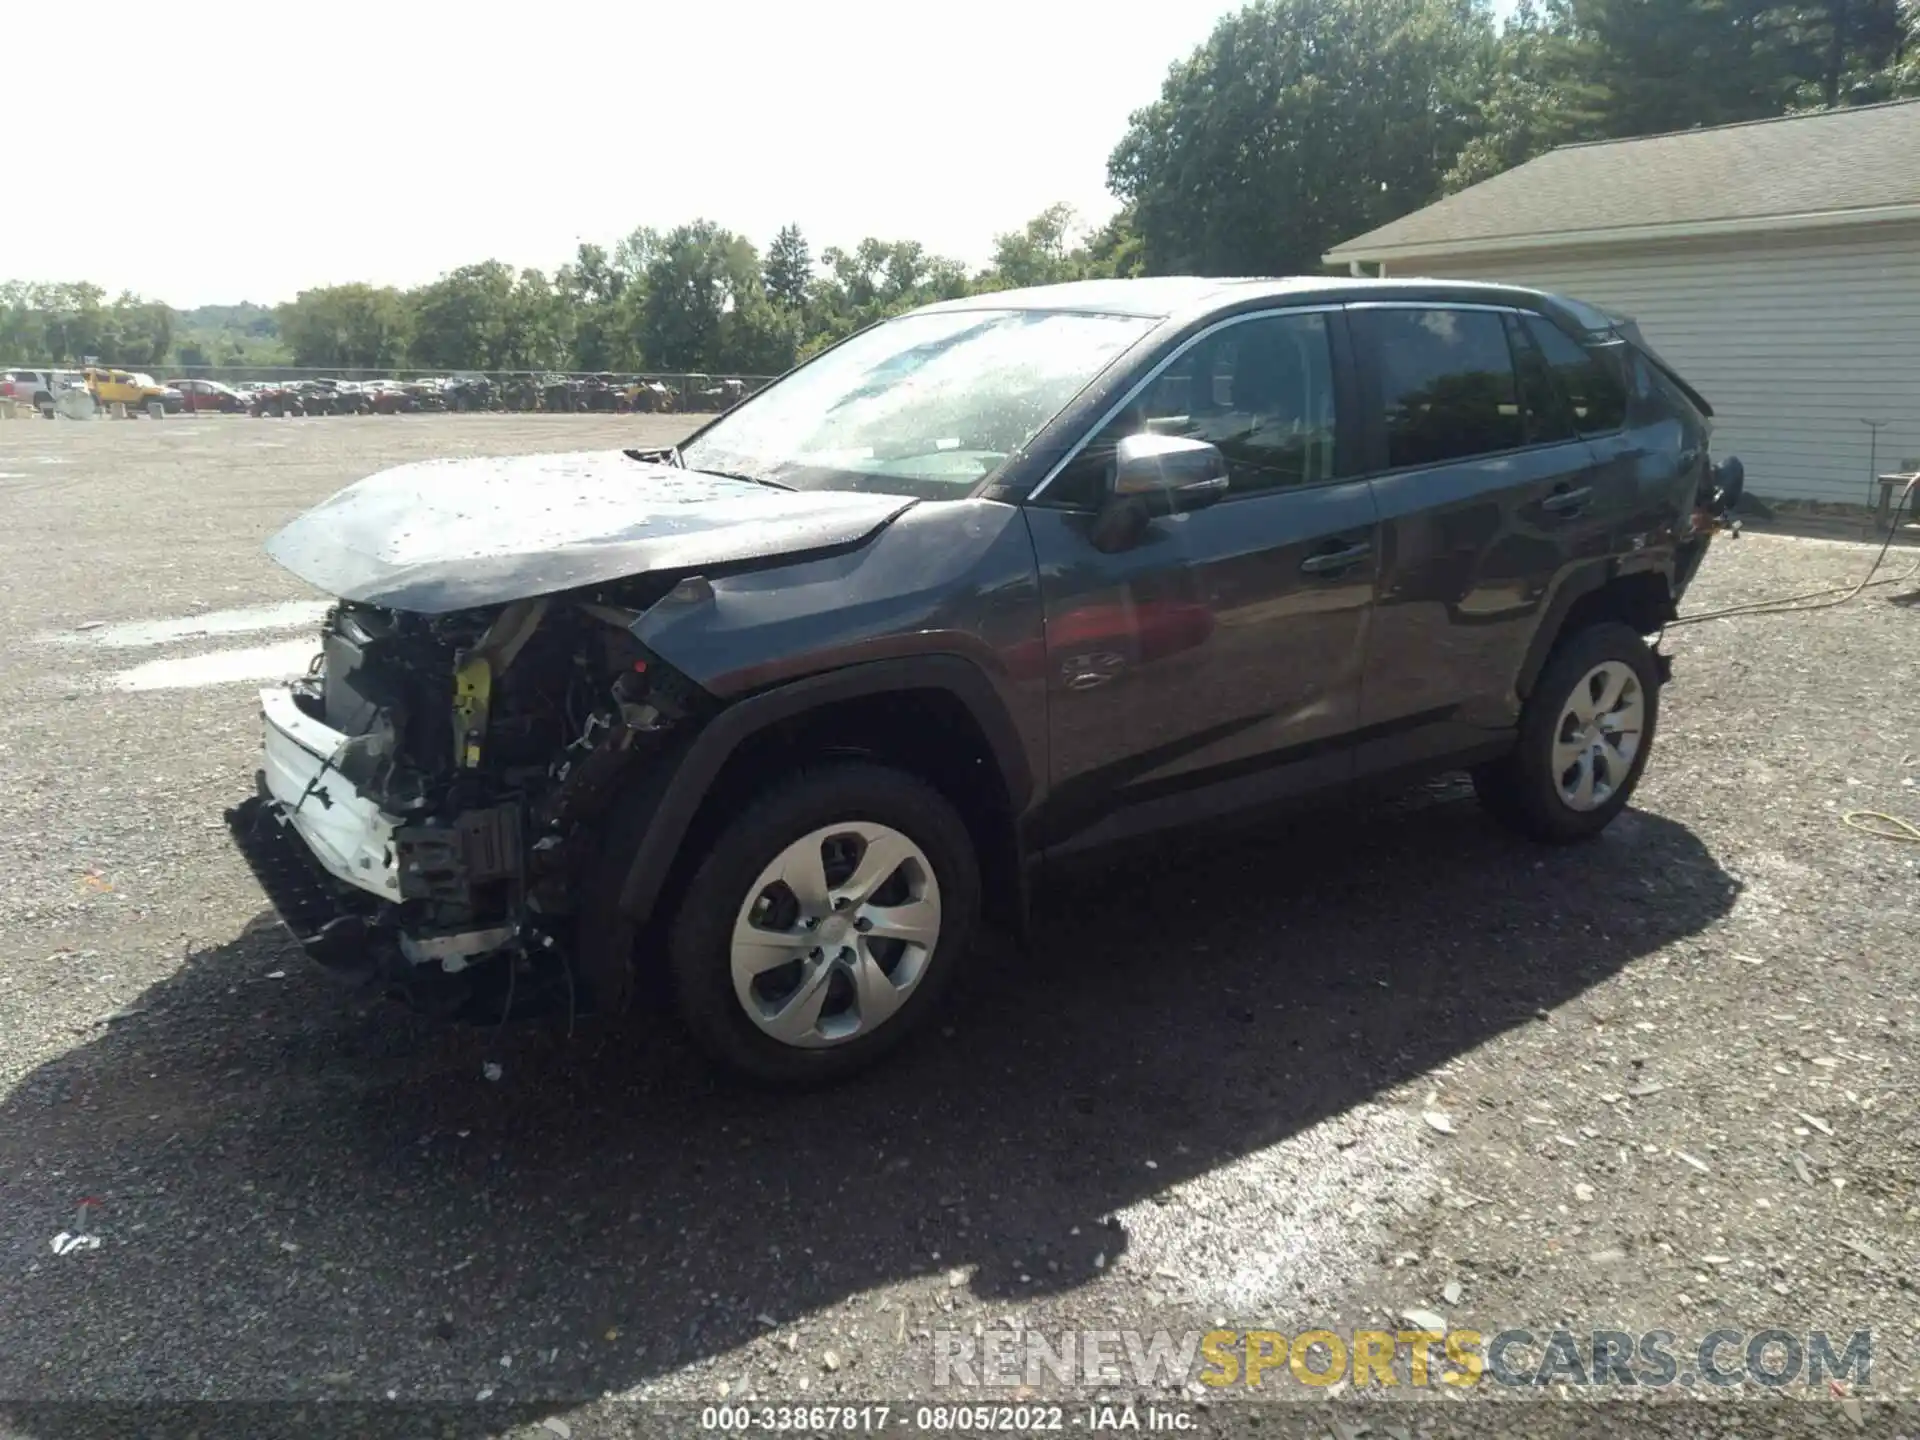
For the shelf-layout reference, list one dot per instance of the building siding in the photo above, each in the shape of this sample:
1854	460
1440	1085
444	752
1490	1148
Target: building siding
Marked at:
1795	339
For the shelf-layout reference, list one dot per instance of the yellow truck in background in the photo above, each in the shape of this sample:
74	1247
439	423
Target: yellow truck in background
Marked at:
125	387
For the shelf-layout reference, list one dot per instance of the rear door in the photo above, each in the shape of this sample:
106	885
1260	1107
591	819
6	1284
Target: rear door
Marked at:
1631	491
1488	497
1211	659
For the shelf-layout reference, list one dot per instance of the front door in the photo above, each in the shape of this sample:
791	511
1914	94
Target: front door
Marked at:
1213	658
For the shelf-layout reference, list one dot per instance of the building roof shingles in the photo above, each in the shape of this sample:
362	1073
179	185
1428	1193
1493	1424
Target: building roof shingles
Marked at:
1834	160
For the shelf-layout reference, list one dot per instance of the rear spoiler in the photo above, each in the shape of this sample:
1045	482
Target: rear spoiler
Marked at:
1597	327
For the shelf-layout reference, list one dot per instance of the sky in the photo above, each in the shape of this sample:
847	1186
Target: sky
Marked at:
233	153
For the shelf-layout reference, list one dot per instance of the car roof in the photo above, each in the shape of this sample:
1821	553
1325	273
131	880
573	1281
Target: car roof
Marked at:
1165	297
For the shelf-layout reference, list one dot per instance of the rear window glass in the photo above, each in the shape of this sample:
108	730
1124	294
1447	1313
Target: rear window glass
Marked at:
1447	386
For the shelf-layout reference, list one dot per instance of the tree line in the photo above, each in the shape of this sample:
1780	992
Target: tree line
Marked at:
1297	124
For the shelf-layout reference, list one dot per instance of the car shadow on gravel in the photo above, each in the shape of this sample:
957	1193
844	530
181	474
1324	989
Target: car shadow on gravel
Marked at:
308	1196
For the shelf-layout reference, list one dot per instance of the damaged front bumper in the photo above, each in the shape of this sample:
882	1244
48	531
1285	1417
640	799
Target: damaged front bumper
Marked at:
341	871
435	799
348	833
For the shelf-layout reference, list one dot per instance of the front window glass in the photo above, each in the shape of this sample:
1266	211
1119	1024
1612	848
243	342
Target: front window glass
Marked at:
1261	390
926	405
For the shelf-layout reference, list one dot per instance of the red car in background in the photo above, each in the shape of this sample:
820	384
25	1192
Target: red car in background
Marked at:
210	396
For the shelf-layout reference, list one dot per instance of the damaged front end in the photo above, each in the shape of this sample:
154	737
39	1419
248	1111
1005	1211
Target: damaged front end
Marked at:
434	794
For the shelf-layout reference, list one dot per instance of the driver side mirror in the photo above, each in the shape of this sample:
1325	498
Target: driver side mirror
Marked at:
1155	475
1170	473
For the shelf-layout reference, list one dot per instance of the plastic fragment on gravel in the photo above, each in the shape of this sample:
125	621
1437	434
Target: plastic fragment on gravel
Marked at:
1439	1122
1867	1252
830	1361
554	1425
1452	1291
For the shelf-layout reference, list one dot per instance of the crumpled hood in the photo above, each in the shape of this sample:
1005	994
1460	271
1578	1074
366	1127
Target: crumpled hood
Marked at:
443	535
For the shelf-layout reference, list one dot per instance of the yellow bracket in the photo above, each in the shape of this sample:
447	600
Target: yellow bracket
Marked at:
472	692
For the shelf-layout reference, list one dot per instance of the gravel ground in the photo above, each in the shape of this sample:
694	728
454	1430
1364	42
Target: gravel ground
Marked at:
1375	1060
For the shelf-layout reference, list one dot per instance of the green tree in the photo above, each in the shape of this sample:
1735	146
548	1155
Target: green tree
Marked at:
1114	250
1298	123
1043	252
788	269
23	322
703	303
338	327
876	279
487	317
142	330
75	324
590	289
1526	102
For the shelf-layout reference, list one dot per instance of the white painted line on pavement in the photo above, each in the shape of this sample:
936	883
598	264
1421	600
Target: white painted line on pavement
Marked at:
127	634
222	667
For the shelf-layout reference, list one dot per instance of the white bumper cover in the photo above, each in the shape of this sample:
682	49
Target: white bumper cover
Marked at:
349	834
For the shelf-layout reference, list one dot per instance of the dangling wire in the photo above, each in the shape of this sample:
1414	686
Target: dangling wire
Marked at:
1788	604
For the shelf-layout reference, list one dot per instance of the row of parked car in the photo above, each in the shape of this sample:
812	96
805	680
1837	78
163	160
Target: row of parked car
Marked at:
606	392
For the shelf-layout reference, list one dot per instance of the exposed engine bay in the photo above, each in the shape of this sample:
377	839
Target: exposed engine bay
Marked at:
449	776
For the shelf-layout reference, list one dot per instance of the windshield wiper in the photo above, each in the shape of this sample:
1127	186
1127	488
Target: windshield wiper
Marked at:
672	456
736	475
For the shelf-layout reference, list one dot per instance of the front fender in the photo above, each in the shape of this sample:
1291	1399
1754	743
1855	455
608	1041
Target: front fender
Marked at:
679	795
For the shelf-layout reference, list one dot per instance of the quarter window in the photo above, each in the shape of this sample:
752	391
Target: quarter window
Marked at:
1447	385
1596	400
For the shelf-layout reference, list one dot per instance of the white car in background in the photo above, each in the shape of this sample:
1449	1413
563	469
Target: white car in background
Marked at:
41	389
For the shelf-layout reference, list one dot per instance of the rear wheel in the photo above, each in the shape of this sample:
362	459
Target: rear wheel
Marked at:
1585	734
824	924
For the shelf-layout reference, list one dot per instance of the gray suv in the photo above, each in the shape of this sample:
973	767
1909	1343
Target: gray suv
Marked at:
779	714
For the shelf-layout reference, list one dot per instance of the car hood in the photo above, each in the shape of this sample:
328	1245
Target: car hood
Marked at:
443	535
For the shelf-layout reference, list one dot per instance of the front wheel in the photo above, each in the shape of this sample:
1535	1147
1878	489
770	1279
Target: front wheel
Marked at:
1585	734
824	924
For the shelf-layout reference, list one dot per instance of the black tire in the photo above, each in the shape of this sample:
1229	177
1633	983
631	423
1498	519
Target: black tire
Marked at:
699	939
1520	789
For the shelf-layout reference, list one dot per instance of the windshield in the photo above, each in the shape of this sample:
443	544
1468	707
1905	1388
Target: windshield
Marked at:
926	405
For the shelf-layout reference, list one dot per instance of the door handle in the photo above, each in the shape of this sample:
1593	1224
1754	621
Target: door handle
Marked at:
1331	561
1567	502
